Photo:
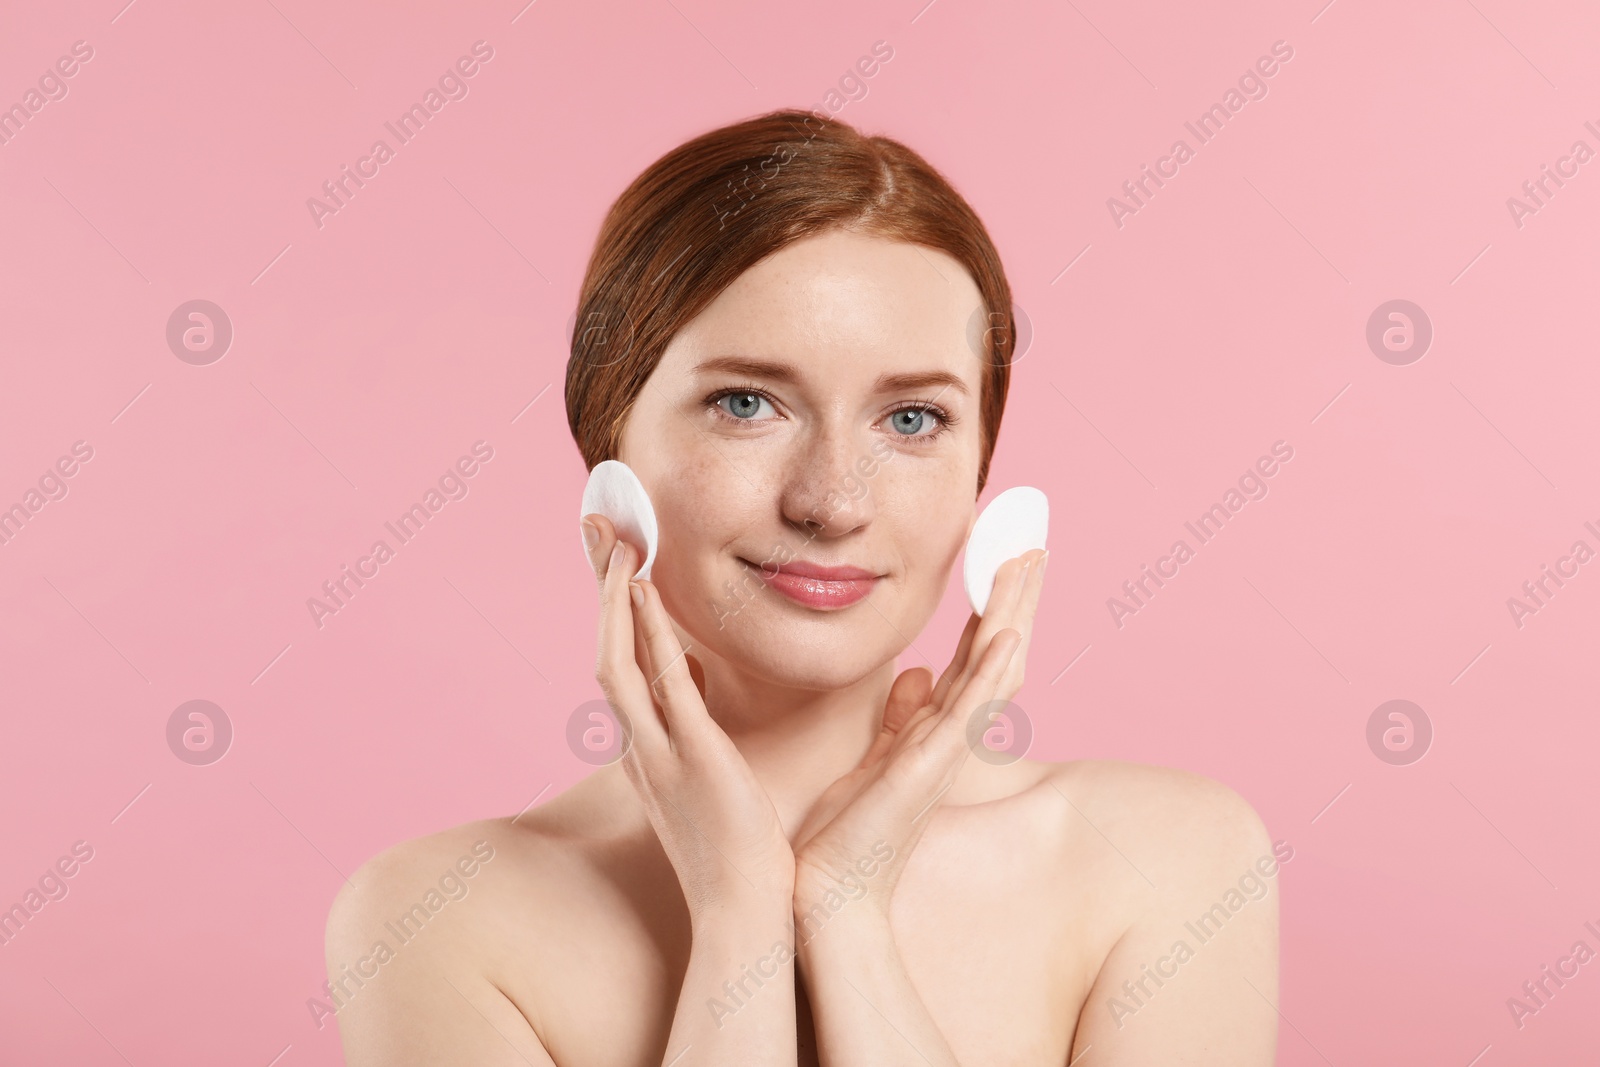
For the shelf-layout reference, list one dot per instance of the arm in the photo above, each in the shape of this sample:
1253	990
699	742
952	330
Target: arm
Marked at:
737	1002
716	824
856	841
863	1004
419	1003
433	1001
1193	981
437	997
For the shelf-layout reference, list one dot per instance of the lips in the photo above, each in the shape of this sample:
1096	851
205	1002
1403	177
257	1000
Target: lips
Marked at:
818	586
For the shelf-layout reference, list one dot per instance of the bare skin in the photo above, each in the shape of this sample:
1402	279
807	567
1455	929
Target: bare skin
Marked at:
798	860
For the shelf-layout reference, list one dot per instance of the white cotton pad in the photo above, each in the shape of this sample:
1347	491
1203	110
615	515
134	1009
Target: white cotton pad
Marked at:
616	492
1015	522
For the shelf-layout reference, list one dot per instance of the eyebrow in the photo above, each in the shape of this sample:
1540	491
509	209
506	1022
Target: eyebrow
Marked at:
784	372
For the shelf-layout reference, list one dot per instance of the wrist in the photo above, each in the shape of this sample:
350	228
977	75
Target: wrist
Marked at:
853	930
839	918
741	912
825	897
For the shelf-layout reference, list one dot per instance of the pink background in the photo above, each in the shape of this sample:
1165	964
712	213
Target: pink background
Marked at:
1228	313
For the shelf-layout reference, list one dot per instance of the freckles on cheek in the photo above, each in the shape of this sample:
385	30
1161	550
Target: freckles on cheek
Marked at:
928	511
707	504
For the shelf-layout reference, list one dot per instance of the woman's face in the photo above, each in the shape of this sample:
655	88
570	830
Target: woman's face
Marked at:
822	412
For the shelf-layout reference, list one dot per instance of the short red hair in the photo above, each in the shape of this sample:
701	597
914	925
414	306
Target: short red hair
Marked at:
713	207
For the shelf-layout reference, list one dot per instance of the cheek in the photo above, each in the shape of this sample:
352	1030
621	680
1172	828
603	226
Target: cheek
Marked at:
702	492
938	544
928	513
704	510
947	484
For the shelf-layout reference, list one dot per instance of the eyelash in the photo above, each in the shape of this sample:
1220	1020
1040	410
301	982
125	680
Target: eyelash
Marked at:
946	420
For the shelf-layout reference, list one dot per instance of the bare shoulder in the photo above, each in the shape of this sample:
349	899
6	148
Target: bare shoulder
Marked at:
433	871
1162	811
1191	891
541	854
1124	828
426	941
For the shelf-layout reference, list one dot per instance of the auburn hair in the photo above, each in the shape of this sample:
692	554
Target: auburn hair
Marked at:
716	205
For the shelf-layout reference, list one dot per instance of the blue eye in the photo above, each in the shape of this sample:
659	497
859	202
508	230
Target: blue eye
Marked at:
910	422
922	422
742	405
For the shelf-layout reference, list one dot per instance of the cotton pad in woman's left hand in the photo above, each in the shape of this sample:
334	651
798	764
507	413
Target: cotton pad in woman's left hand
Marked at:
1015	522
616	492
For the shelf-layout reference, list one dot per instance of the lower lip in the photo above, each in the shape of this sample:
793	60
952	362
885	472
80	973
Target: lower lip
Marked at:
818	592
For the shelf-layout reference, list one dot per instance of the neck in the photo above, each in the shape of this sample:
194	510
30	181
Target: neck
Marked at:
796	741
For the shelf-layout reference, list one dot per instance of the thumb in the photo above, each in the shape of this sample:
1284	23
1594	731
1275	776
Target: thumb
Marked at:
907	695
910	691
698	673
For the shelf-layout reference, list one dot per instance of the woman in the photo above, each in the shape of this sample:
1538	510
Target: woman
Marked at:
794	861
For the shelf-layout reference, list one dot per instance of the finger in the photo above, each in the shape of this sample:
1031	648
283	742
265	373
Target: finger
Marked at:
958	662
908	697
1022	621
1020	601
1017	613
1008	594
997	613
941	736
909	692
1028	600
981	686
671	682
698	673
606	543
604	537
629	561
617	665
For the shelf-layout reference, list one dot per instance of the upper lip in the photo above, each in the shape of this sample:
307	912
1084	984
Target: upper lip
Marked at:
802	569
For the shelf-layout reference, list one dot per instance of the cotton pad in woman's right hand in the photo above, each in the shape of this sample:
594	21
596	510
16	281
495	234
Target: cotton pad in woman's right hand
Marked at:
1015	522
616	492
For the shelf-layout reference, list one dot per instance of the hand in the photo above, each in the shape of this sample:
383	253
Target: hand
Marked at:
716	824
917	753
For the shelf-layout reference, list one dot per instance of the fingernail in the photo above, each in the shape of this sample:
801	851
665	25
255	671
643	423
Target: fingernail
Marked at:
591	534
616	555
1043	560
636	593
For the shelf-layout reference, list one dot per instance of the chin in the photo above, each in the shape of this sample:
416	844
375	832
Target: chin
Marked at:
829	658
783	643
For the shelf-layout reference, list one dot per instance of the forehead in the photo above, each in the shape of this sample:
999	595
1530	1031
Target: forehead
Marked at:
842	299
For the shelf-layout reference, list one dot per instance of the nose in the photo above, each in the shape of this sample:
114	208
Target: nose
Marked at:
826	493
